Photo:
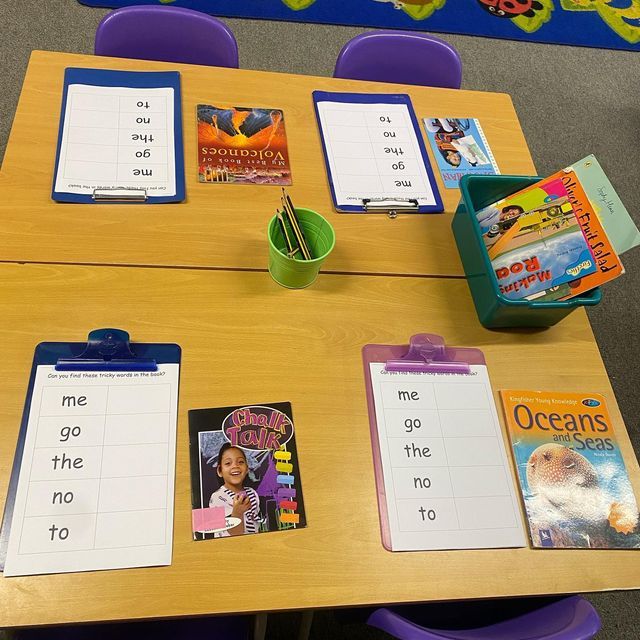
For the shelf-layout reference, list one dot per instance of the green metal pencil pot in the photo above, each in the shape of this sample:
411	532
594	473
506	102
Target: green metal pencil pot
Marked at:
296	273
494	309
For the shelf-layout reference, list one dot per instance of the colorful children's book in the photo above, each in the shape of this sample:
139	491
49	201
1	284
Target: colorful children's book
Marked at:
546	214
573	480
245	476
498	218
543	249
607	260
245	145
542	205
460	148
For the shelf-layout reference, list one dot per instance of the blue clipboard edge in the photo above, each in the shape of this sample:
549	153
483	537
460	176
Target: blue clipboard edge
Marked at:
372	98
47	353
138	79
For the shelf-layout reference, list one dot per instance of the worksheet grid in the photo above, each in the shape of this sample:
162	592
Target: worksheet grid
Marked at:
464	485
373	151
89	518
107	137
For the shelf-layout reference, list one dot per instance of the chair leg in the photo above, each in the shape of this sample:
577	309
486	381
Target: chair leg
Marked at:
259	626
305	624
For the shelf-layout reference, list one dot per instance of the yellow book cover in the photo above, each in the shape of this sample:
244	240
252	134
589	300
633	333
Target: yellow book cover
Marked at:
572	476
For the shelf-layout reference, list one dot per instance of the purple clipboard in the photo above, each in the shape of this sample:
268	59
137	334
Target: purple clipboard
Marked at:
426	352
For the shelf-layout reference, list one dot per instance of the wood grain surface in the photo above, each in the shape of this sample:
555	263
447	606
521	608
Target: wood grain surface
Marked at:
224	225
247	340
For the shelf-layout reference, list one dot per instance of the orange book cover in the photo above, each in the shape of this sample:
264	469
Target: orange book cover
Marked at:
537	211
607	260
573	479
243	145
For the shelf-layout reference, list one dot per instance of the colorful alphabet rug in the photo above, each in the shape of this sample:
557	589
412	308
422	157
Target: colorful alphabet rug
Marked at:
612	24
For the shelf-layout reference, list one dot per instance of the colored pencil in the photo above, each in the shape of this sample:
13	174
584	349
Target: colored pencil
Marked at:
295	228
283	230
293	212
295	225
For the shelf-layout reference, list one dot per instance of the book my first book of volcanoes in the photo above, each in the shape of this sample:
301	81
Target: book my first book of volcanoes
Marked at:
242	145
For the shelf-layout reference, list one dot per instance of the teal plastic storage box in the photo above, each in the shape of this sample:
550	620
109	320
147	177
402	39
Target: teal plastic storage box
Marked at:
495	310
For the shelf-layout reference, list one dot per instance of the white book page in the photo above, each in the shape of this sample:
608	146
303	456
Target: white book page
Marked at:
447	479
96	481
117	137
373	152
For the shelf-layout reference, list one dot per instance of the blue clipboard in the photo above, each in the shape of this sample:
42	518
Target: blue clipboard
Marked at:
129	79
392	205
105	350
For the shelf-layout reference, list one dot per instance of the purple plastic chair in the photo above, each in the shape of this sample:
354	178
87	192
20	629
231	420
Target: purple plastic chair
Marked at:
399	56
570	618
218	628
170	34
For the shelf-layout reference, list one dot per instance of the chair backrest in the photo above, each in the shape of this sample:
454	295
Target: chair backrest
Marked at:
171	34
403	57
568	618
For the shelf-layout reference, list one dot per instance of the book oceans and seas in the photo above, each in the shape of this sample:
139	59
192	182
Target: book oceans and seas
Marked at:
245	475
244	145
573	480
460	148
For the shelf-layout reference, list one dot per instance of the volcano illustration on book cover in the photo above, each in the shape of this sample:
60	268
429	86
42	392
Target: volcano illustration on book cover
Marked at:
243	145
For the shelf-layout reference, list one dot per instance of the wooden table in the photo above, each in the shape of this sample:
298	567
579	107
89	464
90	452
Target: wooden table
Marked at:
247	340
225	225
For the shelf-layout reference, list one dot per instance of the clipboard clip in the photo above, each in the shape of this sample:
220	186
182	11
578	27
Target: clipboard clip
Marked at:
120	194
427	354
391	205
107	350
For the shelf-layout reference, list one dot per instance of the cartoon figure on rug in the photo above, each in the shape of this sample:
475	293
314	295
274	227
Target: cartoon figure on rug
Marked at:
400	4
298	5
511	8
622	16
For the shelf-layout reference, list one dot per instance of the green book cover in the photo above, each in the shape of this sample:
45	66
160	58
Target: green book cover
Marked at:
615	218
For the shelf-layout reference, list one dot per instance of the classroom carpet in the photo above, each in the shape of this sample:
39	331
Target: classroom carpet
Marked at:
611	24
591	106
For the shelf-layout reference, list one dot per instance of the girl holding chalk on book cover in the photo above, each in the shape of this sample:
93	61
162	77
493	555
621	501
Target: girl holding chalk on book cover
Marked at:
238	501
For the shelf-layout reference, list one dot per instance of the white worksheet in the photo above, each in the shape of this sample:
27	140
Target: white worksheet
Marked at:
117	137
96	482
373	153
447	480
